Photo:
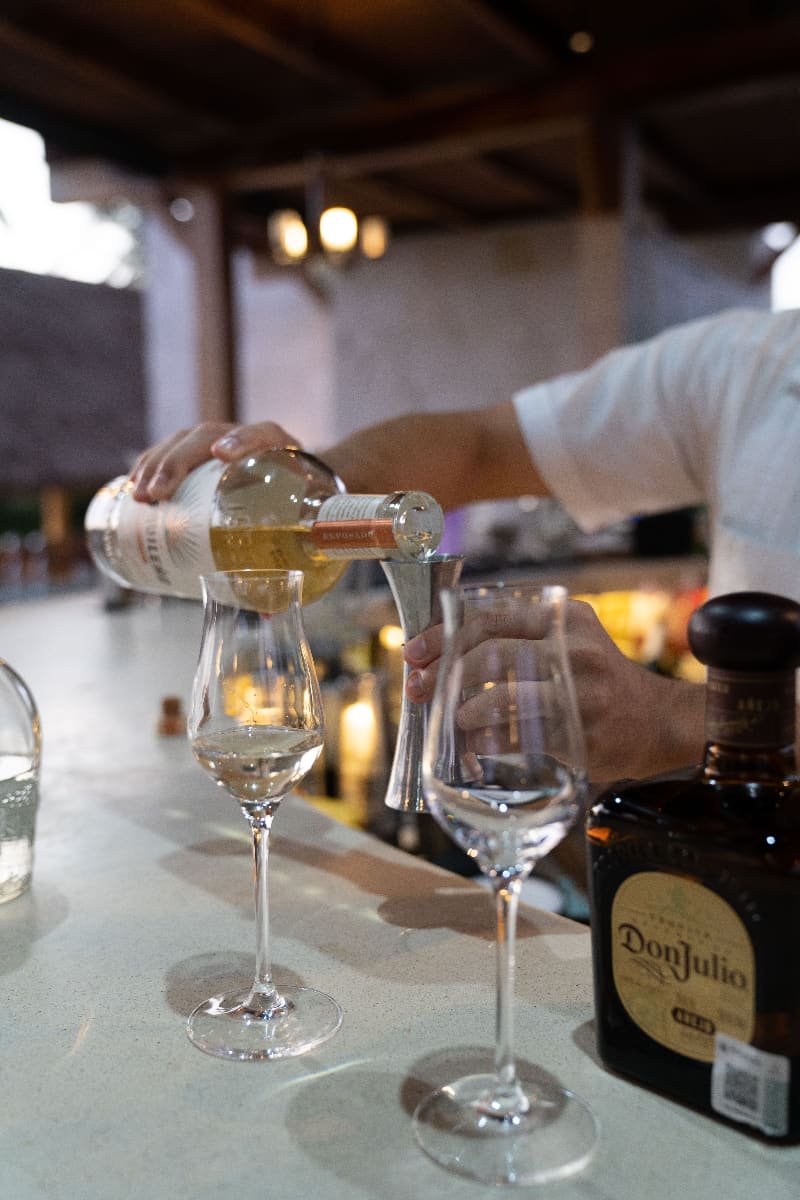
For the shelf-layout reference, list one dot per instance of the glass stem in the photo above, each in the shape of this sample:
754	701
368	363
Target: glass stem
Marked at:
508	1099
264	998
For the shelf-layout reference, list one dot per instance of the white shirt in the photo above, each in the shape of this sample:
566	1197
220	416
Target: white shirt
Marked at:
707	412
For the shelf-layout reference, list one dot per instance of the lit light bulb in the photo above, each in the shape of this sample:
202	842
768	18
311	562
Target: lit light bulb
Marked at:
288	236
391	637
338	230
374	237
581	42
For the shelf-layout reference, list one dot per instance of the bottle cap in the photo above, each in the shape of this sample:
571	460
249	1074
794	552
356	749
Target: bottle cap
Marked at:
747	631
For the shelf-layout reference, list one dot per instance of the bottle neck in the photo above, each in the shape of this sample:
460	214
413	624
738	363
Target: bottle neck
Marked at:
750	724
397	525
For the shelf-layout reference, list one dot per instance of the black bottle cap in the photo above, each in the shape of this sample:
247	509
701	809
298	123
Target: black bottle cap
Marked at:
747	631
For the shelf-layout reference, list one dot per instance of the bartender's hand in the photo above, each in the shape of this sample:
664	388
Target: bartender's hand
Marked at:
158	471
635	723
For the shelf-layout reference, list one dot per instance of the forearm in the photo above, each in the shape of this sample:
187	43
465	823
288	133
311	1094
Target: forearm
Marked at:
456	456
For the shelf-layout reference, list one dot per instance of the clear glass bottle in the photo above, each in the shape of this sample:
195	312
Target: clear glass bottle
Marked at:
695	890
283	509
20	754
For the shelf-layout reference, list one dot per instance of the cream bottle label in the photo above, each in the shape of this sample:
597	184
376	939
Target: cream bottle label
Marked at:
683	963
165	547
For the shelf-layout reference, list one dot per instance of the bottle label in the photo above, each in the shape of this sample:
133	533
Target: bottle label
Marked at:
353	527
745	709
683	963
166	547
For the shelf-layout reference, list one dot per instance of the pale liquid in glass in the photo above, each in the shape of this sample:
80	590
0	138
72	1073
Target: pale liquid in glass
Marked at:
257	763
513	812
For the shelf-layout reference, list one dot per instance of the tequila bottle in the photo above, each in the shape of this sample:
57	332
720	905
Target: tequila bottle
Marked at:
284	509
695	890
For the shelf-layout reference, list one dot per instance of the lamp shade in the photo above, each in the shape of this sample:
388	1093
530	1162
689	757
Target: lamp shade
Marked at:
338	230
374	237
288	236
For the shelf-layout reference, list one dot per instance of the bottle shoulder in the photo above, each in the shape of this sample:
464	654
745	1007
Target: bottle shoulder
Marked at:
691	801
277	487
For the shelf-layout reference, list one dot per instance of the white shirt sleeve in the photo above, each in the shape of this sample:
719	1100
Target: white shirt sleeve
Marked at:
628	435
707	412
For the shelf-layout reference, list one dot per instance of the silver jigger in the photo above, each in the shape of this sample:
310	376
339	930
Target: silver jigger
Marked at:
415	587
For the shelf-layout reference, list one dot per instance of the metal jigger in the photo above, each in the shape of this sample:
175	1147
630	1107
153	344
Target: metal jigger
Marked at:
415	587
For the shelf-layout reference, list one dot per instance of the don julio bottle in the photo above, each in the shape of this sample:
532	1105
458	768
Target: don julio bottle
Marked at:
282	509
695	890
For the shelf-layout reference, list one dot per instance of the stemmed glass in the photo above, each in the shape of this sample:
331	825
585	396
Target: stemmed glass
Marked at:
255	725
504	776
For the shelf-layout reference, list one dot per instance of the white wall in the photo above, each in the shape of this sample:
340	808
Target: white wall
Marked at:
169	330
284	332
452	320
671	279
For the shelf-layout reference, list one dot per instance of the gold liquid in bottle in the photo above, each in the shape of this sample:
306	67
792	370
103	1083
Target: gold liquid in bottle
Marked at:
268	548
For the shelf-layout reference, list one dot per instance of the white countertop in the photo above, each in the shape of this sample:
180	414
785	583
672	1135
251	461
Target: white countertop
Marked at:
141	907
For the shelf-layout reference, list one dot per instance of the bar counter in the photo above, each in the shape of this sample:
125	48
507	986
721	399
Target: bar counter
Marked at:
141	907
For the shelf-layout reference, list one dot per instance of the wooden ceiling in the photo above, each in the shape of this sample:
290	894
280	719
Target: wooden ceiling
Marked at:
443	114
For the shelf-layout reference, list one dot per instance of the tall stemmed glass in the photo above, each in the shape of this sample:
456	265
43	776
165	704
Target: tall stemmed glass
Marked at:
504	775
256	725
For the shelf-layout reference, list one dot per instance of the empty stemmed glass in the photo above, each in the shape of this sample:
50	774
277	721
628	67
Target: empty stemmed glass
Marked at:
504	775
256	726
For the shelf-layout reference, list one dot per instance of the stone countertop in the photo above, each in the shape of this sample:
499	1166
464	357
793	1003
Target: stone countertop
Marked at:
141	907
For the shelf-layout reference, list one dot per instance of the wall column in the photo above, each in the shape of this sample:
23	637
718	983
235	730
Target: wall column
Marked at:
610	189
188	308
207	239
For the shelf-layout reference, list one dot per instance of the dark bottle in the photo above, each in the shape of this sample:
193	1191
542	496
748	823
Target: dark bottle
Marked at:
695	890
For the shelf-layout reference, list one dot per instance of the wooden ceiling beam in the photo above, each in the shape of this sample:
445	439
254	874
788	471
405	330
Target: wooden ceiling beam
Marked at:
525	178
385	195
737	96
453	149
732	209
290	48
529	46
625	83
45	56
665	164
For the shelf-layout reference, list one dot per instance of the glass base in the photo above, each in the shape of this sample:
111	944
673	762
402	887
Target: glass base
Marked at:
228	1027
16	863
555	1138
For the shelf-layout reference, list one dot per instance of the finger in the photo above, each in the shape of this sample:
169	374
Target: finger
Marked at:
425	648
147	462
503	705
514	620
513	623
486	661
420	685
162	468
241	440
499	659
